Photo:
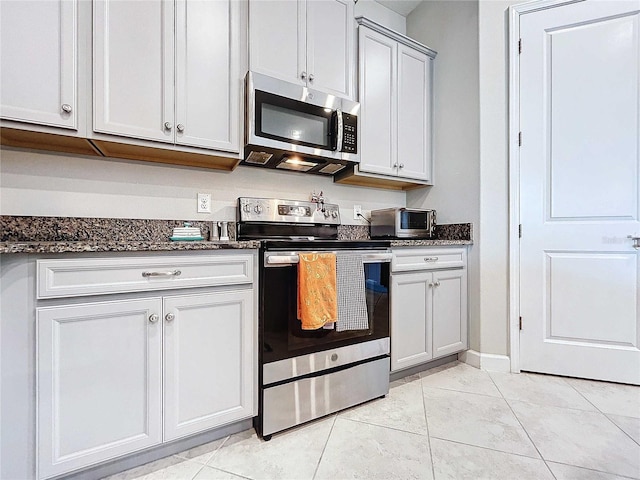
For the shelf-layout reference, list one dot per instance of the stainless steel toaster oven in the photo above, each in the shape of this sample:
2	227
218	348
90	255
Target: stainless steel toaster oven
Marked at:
403	223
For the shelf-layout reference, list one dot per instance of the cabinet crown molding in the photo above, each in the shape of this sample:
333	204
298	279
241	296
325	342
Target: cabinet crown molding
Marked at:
396	36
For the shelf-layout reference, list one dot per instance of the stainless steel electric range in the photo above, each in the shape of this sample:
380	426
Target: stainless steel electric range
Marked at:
306	374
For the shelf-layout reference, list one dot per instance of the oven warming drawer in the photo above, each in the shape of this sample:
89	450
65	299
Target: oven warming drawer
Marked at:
299	401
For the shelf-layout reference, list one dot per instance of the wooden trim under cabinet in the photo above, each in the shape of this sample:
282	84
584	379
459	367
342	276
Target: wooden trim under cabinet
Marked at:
13	137
354	176
160	155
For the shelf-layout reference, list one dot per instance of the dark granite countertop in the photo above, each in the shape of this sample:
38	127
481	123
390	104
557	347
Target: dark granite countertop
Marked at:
429	243
22	234
111	246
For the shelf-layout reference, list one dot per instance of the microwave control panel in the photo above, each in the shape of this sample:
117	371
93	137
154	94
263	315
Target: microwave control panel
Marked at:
349	133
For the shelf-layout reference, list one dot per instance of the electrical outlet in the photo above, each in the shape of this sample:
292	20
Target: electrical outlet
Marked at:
204	203
357	211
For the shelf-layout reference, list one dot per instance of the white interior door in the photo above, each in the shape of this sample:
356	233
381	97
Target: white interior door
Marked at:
579	195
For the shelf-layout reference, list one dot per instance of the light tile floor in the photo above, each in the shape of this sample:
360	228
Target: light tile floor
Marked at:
451	422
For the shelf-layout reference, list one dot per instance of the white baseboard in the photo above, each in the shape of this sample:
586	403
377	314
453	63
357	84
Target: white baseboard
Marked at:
470	357
486	361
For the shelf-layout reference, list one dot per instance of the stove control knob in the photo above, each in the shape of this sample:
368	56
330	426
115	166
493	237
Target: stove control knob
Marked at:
334	214
258	209
326	214
246	208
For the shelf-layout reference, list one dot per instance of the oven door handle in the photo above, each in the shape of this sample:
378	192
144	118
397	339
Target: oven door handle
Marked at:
280	260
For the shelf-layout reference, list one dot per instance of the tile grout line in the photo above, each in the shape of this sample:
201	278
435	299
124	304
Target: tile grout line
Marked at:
396	429
603	413
522	426
315	472
594	470
426	421
458	442
620	428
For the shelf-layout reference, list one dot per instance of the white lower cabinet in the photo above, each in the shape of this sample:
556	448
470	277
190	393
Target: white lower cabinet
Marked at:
208	369
99	382
118	376
429	306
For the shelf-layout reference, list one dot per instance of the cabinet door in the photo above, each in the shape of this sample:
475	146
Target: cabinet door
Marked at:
414	117
449	312
411	320
133	68
98	381
208	74
330	32
209	361
277	38
39	50
377	79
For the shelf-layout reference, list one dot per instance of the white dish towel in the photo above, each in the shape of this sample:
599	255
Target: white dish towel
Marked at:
352	302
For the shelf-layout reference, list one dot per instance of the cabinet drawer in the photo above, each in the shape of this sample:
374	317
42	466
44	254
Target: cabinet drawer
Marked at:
407	259
97	276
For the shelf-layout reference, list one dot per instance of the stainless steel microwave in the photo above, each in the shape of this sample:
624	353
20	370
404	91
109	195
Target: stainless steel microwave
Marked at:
403	223
292	127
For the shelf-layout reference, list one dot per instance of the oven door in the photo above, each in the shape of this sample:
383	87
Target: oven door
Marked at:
281	332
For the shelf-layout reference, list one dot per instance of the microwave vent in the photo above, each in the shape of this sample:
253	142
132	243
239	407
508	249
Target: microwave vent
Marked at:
258	158
331	168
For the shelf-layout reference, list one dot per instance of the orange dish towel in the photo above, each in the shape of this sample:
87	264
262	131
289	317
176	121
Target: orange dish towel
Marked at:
317	298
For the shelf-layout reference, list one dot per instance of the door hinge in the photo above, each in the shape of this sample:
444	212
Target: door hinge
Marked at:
519	139
520	231
519	46
520	323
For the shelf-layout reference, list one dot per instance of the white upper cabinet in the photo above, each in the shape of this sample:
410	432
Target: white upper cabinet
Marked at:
208	76
133	65
168	71
309	42
330	33
39	51
277	38
414	114
396	91
378	102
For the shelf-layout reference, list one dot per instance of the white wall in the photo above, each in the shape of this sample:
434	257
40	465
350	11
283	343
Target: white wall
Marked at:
50	184
451	28
494	200
380	14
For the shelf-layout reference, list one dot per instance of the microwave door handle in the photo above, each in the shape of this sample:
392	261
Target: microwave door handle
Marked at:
340	131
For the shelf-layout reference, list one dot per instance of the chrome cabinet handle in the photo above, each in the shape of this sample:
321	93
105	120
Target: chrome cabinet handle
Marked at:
168	126
437	283
180	127
170	317
430	259
174	273
303	75
311	77
636	241
402	165
153	318
66	108
395	165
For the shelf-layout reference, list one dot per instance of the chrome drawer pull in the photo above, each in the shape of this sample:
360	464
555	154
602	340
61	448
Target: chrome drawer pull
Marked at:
175	273
430	259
